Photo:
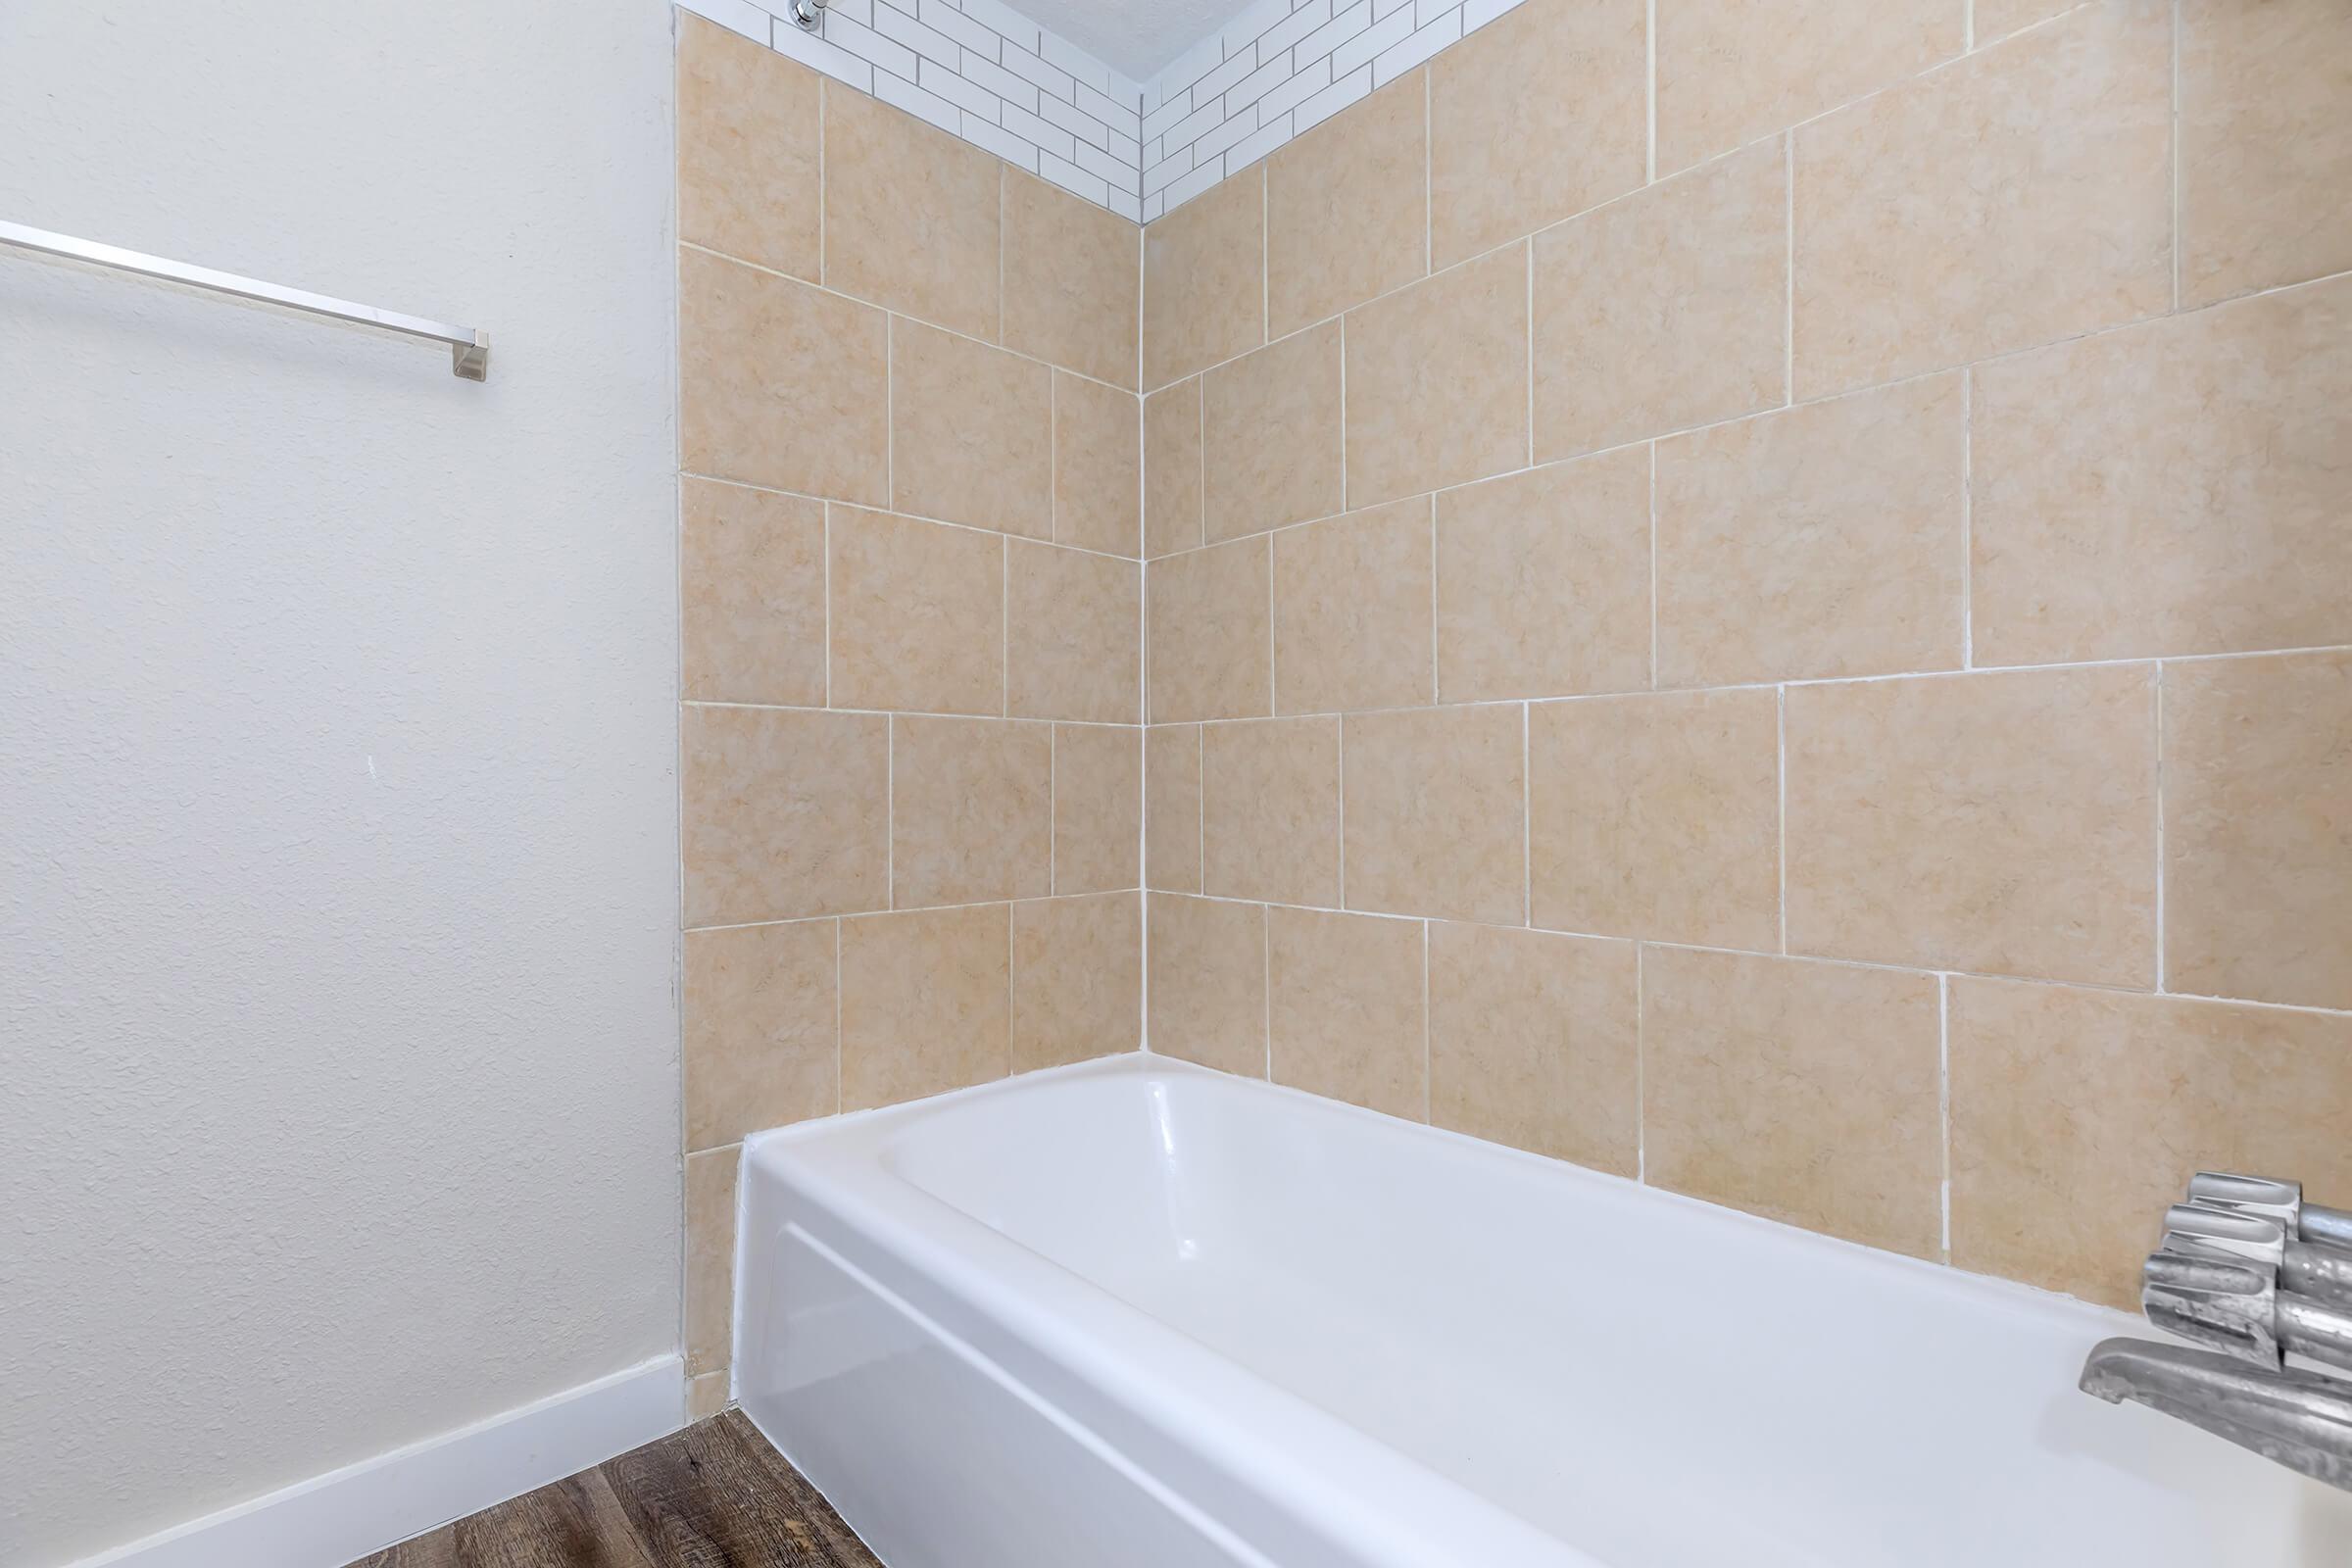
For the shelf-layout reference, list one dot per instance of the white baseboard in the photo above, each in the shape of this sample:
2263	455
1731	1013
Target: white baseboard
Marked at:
344	1514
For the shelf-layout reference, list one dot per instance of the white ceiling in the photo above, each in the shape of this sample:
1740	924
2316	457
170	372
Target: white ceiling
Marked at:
1135	37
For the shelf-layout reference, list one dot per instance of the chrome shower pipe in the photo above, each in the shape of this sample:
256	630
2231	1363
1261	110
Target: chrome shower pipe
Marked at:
808	15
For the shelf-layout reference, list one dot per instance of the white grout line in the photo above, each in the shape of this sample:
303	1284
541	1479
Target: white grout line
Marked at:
890	811
1653	565
876	305
1781	722
1428	1095
1527	820
1788	273
1649	66
1968	546
1641	1070
2157	698
884	509
1340	728
2175	127
1943	1103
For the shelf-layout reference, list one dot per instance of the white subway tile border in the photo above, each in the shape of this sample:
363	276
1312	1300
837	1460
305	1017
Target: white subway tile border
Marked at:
982	72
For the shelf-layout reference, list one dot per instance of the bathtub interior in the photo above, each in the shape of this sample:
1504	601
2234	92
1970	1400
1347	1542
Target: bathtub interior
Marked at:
1652	1379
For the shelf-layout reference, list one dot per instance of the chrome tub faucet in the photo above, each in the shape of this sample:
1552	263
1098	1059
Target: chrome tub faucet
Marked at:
2252	1274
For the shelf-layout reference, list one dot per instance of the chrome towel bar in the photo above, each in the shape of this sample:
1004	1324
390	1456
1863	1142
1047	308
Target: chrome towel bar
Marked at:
468	350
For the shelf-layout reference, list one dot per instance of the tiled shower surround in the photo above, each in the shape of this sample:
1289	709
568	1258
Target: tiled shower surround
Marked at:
910	760
1764	605
1776	620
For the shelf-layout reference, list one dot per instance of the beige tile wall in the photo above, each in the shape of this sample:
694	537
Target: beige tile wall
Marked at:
912	761
1781	622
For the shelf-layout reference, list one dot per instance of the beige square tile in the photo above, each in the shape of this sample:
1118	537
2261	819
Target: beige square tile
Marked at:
1097	807
1510	151
706	1396
971	810
2004	823
763	362
783	813
1072	635
2266	144
917	614
1274	450
2049	160
710	1259
1098	466
1205	281
1270	811
752	570
1828	540
1347	208
1345	1008
912	215
1533	1042
2077	1115
1172	808
926	1002
2172	488
1730	71
1351	611
1657	816
1206	621
1997	19
1435	388
748	176
1807	1092
1437	812
1208	997
1174	476
759	1041
1072	280
1077	979
1666	310
2258	828
1544	581
971	432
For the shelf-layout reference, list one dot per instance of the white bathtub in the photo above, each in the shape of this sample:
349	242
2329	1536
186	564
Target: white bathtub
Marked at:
1134	1315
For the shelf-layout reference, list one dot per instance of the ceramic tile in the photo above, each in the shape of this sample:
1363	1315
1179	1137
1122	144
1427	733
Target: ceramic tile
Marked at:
1825	541
926	1002
1351	611
762	360
1274	450
748	174
1666	310
1436	819
1205	281
1435	390
2079	1116
1510	151
1097	807
1098	467
1072	280
1077	979
1172	808
1544	581
1208	997
971	432
1533	1042
751	569
1657	816
971	810
2172	488
917	614
1173	474
913	218
2258	828
1345	1008
758	1032
1072	635
2002	823
2049	160
783	813
1807	1092
1347	208
1207	628
1271	817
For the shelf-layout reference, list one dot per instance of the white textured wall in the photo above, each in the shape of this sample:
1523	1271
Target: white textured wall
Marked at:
339	1078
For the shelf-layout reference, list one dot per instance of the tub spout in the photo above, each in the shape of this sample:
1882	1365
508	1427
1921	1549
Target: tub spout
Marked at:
2298	1419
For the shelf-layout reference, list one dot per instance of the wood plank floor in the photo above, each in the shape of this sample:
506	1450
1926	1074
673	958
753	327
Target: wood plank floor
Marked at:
714	1496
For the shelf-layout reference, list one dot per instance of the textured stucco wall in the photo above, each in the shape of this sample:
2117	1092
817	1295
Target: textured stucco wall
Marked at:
338	1054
